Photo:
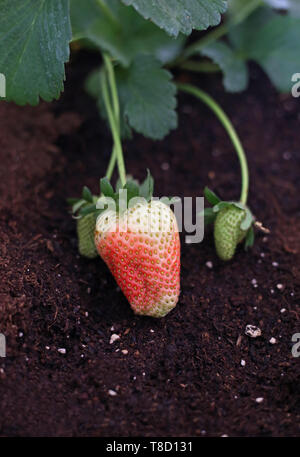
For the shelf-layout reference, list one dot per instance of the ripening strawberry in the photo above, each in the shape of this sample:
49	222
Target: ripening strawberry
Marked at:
142	250
228	232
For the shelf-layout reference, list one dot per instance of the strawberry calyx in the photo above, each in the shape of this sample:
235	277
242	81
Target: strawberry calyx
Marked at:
89	203
87	200
245	222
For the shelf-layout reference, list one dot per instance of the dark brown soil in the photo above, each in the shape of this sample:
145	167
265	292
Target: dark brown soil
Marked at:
182	375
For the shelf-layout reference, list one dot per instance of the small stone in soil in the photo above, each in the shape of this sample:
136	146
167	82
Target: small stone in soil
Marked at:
272	341
275	264
243	363
62	350
259	399
112	393
283	310
279	286
252	331
165	166
114	337
124	351
209	264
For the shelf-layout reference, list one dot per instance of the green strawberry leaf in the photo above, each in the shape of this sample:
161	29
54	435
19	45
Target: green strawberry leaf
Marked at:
147	96
87	194
232	65
121	31
249	241
34	45
180	16
273	41
146	188
106	188
211	196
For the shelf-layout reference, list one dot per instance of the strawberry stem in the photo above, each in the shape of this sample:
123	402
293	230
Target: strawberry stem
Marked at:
113	115
113	87
222	116
116	108
112	163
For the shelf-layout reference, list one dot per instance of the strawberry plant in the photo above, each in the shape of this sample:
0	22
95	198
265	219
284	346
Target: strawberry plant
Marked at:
140	44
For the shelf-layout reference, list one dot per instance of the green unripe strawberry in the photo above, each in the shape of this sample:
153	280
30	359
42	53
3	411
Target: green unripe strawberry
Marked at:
228	232
86	236
84	210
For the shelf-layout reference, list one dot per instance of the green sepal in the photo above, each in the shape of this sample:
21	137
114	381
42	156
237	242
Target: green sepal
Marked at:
128	178
146	188
209	216
87	194
248	221
249	240
220	206
88	209
132	189
106	188
211	197
72	201
239	205
76	207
